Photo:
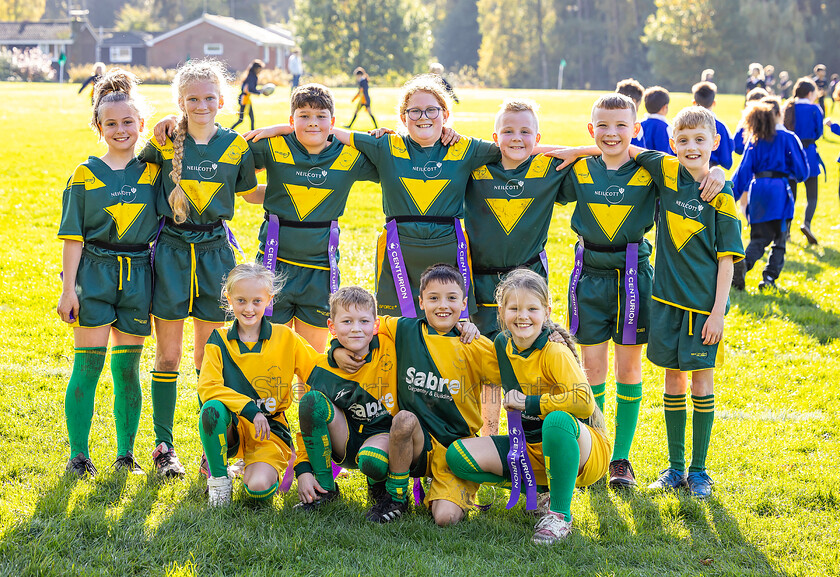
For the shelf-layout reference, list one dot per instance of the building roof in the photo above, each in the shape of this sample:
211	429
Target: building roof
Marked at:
30	32
126	39
256	34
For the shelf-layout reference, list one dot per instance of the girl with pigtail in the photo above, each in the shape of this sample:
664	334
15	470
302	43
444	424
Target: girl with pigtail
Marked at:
565	434
108	219
205	167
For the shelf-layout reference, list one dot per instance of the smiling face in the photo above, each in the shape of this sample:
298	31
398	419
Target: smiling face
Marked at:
443	303
248	299
613	130
312	127
694	147
516	135
354	328
424	131
119	125
200	101
524	316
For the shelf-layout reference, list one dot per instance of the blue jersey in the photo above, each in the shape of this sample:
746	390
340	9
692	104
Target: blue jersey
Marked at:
657	133
738	144
640	138
770	195
809	128
835	128
723	154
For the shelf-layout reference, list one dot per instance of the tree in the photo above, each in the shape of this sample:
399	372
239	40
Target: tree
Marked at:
456	32
138	17
380	35
19	10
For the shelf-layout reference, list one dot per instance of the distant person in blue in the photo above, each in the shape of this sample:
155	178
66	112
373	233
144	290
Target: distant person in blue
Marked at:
656	127
756	78
249	89
704	95
295	66
632	88
362	96
739	142
833	83
835	128
805	118
770	79
773	157
784	85
821	83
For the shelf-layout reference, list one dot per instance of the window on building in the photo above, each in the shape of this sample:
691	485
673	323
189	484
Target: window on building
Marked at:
120	53
214	49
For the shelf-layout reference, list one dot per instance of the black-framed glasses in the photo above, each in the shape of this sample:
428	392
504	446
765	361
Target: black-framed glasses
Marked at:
431	113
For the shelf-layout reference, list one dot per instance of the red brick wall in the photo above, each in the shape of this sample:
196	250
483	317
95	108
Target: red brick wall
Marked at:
238	52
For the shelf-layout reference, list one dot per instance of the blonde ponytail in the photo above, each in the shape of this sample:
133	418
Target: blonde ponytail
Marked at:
177	198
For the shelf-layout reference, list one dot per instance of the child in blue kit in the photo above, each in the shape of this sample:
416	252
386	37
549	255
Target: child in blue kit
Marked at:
835	128
805	118
704	95
633	89
656	128
773	157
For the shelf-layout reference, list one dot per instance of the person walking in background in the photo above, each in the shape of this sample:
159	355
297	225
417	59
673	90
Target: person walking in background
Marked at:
295	67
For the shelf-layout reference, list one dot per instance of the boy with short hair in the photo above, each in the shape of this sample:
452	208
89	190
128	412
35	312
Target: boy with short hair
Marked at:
346	417
656	127
695	240
439	393
309	176
635	91
704	95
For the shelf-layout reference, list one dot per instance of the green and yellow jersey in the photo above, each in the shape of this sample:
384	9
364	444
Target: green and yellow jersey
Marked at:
439	378
117	207
251	378
691	235
212	175
614	208
307	188
508	211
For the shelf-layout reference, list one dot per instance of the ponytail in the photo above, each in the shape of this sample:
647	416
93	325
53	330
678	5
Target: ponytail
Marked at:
177	198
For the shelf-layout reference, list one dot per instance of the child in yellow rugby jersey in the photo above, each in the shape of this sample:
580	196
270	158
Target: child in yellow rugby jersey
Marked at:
564	430
246	386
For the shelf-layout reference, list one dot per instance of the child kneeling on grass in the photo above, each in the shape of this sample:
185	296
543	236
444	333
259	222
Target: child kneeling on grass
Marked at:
246	386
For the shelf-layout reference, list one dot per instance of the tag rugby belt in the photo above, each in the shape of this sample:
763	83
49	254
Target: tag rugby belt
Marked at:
118	247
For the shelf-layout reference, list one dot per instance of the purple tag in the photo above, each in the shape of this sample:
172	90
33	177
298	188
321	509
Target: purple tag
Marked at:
154	244
395	258
61	276
544	261
574	318
332	251
419	492
289	475
336	470
232	239
463	263
272	240
519	464
631	294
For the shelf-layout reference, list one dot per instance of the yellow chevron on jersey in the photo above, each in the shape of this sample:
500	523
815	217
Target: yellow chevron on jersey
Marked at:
200	193
397	145
610	217
481	173
508	211
150	174
83	175
641	178
725	204
682	229
124	215
306	199
280	150
346	159
167	151
423	192
582	172
458	150
670	171
539	166
234	152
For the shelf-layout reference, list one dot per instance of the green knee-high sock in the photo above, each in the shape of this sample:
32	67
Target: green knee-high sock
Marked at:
128	397
600	393
213	424
164	396
628	399
373	463
675	416
702	419
465	466
262	495
397	486
316	412
562	459
81	392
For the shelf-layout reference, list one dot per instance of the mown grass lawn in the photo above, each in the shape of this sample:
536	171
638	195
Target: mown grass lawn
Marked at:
774	454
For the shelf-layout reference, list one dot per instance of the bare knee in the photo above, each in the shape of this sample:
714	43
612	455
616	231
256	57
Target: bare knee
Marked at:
403	424
446	513
167	361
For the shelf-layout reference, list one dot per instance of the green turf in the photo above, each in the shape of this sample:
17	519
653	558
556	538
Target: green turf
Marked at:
774	448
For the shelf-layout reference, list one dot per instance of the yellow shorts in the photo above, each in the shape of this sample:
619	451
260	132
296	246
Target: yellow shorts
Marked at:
445	485
274	451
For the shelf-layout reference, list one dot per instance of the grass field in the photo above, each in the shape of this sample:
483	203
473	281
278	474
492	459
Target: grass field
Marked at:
774	455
